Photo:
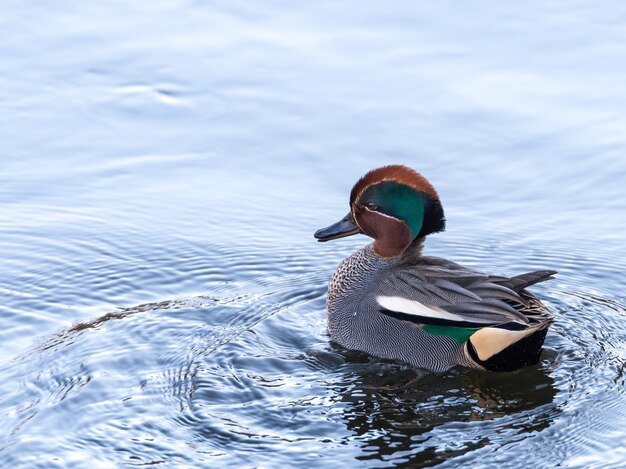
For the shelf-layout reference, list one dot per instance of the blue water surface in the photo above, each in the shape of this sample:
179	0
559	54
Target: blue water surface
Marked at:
164	164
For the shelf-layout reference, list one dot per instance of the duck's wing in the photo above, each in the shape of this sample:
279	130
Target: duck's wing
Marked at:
442	293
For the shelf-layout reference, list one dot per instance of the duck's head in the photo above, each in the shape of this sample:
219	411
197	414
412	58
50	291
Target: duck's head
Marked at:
395	205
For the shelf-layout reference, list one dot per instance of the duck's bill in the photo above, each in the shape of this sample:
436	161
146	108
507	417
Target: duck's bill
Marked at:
344	227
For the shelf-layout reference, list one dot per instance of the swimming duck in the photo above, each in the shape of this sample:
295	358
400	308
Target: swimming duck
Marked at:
390	301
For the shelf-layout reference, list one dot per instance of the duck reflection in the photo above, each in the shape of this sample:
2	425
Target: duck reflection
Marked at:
395	410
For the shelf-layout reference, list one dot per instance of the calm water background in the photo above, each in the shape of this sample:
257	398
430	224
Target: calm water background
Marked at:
164	164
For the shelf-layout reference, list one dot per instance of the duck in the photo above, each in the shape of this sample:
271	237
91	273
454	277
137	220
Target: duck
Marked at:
390	301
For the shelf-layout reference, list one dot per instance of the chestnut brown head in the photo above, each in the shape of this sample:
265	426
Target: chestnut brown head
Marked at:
392	204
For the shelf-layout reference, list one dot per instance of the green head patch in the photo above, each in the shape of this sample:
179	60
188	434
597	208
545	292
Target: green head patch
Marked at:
399	201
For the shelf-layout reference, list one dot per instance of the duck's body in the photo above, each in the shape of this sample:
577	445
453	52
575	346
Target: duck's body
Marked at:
388	300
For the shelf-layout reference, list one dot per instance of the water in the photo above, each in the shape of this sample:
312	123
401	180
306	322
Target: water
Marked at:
164	164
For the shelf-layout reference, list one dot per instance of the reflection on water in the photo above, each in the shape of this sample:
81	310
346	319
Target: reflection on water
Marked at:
163	166
399	414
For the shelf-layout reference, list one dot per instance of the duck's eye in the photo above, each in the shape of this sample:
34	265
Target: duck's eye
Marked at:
371	206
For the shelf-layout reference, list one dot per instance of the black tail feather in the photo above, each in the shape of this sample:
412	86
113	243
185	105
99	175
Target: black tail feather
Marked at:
526	351
520	282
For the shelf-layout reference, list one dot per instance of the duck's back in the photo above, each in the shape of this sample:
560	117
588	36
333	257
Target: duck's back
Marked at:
424	310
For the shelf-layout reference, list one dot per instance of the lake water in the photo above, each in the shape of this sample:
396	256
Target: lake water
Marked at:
164	164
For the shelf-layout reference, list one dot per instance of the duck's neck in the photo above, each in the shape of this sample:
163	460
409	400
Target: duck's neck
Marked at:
410	255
